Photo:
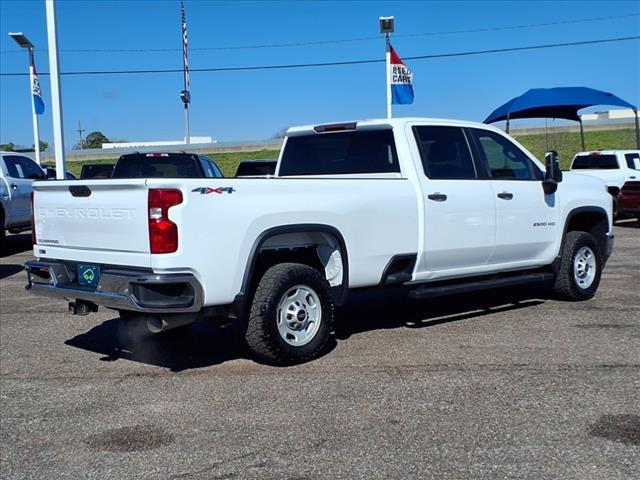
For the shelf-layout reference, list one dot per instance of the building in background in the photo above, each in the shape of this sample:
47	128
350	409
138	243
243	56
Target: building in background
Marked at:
161	143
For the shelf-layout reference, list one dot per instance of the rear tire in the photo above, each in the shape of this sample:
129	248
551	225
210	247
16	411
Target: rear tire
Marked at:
580	267
291	315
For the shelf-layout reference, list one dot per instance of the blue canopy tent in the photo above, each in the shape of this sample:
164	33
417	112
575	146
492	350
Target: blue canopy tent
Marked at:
560	102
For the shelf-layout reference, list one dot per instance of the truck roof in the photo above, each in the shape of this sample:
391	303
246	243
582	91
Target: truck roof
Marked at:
393	122
606	152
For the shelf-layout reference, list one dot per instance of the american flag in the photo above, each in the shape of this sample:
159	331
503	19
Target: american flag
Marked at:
185	60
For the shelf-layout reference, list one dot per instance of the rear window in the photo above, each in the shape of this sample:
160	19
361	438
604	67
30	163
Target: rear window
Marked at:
595	162
340	153
249	168
102	170
143	166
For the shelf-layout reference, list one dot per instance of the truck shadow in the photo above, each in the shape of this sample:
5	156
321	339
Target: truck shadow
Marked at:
14	244
371	311
204	343
7	270
214	341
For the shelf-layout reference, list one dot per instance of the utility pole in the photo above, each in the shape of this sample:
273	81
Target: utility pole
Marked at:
80	132
387	28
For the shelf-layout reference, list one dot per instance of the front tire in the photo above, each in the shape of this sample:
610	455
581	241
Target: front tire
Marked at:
580	267
291	315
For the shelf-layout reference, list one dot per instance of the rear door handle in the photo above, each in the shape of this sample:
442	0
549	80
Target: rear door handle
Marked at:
505	195
437	197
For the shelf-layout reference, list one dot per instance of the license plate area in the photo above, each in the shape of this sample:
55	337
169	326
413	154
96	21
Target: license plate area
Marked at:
88	275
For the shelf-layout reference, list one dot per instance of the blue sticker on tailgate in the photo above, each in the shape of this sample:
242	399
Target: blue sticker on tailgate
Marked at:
88	275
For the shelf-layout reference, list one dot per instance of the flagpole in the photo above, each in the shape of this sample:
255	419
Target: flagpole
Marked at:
388	64
186	124
36	126
387	28
185	95
56	95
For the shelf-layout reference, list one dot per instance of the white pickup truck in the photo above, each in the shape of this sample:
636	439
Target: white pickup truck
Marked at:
614	167
439	206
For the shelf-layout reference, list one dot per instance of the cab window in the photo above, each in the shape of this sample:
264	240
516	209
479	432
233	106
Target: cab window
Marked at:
445	153
502	159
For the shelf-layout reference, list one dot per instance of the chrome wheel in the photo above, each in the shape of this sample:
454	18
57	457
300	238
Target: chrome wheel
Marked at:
299	315
584	267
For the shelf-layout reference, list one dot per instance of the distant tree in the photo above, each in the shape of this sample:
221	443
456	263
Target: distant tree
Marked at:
94	140
43	146
7	147
279	134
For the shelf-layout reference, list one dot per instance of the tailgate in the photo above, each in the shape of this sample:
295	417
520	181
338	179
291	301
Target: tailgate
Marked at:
92	215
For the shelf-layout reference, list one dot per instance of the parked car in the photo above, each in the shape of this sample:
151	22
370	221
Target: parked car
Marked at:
260	167
437	206
166	165
51	174
614	167
96	170
629	199
17	173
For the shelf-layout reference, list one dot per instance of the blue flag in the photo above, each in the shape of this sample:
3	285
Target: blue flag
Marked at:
38	104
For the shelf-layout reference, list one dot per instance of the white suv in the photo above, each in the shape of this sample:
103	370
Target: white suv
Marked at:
614	167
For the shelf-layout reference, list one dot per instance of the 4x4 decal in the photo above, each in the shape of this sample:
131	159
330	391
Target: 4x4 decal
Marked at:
219	190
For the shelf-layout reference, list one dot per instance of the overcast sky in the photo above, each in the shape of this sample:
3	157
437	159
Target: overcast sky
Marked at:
247	105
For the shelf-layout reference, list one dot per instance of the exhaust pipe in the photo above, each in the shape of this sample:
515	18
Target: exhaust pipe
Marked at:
157	324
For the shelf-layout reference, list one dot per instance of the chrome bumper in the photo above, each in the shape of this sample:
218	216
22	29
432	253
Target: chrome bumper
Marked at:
118	288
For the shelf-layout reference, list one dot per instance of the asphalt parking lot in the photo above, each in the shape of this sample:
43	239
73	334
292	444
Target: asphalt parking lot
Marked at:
503	385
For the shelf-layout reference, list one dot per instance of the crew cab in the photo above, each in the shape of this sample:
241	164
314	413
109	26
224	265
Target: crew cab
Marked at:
615	168
17	173
438	206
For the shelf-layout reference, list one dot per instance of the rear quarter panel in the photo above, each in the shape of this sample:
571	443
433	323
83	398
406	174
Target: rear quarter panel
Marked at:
376	217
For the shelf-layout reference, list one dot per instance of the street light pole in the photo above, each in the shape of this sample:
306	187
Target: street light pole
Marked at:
24	42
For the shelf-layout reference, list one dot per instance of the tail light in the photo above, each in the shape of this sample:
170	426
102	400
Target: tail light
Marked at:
163	233
33	220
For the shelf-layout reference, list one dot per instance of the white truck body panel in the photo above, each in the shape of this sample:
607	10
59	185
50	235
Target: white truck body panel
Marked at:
379	216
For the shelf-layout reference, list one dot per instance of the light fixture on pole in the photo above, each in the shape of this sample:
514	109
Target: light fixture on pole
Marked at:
34	87
386	28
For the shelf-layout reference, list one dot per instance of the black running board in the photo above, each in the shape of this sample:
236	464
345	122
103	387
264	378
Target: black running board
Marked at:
438	290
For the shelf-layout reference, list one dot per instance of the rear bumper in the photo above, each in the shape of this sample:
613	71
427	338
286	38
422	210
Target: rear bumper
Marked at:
118	288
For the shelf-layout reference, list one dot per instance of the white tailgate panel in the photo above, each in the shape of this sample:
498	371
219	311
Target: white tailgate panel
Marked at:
113	218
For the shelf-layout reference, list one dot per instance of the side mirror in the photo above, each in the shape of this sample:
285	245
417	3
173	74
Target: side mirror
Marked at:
553	175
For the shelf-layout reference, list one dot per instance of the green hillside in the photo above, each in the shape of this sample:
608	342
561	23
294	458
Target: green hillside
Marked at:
567	144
